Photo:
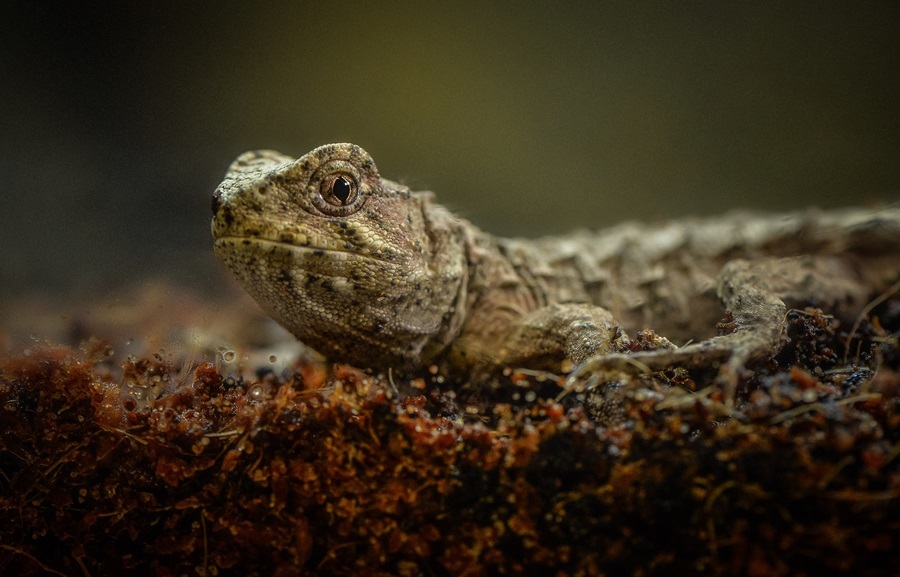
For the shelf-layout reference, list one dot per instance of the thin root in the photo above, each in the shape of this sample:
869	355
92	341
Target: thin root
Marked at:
865	312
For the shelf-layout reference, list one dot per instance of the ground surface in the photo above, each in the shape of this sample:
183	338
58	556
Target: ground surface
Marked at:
210	462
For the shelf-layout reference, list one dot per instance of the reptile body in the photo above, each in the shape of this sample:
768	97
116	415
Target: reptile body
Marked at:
368	272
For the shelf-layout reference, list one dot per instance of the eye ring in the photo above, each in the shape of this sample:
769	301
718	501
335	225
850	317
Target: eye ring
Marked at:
339	189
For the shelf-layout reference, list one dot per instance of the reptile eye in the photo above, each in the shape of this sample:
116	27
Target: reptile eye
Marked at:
339	189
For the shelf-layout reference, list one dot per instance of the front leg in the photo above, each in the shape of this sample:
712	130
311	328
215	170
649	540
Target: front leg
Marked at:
557	336
552	338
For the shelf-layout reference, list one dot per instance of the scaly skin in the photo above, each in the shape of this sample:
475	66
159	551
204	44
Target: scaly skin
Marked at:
368	272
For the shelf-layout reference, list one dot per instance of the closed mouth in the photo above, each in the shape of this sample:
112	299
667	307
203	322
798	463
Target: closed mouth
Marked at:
264	244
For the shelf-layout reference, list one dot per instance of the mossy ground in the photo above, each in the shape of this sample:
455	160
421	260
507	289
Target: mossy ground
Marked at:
160	464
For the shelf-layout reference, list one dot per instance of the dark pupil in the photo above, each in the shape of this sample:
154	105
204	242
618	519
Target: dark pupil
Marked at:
341	189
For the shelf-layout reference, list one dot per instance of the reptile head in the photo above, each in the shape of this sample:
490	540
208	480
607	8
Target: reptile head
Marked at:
356	266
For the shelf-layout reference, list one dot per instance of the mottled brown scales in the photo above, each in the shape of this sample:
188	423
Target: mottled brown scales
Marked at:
366	271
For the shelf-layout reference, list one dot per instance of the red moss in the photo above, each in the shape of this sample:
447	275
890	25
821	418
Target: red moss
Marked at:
167	470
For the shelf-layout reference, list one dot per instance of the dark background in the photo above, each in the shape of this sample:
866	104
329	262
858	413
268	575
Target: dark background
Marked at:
527	118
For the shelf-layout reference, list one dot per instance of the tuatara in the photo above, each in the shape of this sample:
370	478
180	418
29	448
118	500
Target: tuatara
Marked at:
368	272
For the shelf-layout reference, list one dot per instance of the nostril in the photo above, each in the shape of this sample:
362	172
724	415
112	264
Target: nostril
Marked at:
216	201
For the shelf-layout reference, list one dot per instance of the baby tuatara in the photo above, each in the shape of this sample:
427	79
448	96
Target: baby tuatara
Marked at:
368	272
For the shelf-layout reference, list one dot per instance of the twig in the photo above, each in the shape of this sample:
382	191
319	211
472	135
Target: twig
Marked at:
865	312
32	558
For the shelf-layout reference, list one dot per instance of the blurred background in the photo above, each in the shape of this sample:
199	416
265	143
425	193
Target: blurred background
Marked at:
119	119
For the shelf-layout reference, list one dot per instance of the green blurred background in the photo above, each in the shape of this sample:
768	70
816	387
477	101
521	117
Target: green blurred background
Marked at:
528	118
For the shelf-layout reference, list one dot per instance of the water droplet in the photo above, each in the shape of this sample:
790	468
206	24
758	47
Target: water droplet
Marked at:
228	356
258	391
135	398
